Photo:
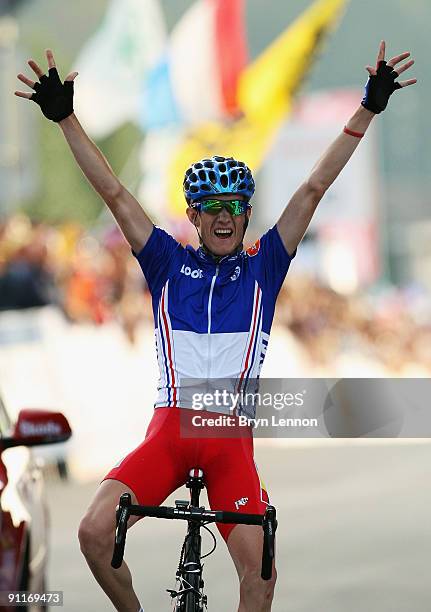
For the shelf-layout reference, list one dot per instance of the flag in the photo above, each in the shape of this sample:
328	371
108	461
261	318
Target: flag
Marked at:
265	92
196	80
112	64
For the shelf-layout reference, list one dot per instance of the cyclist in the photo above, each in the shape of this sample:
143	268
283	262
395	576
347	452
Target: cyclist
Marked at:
213	309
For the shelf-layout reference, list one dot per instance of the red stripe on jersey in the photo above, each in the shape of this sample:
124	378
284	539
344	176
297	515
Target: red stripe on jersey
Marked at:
169	343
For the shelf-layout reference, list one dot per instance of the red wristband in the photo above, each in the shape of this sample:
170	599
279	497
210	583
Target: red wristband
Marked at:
352	133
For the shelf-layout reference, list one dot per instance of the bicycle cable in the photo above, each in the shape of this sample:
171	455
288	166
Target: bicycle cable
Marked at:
204	525
214	542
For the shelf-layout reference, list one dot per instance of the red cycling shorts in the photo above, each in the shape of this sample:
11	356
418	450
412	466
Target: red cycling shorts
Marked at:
161	464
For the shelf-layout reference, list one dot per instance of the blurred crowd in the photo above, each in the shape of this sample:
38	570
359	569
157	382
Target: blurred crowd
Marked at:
94	279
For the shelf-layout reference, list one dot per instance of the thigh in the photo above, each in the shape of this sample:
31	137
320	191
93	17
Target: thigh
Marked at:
233	481
157	466
101	511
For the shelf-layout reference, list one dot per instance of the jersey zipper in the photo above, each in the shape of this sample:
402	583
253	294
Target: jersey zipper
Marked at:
209	319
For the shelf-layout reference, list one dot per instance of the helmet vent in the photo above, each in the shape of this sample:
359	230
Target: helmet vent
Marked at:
224	180
202	175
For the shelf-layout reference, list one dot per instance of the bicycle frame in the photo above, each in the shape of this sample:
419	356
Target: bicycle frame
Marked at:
190	597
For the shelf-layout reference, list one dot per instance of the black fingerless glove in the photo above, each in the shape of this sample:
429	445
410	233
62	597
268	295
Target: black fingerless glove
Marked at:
54	97
379	88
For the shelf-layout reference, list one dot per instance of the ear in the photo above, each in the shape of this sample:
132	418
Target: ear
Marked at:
193	216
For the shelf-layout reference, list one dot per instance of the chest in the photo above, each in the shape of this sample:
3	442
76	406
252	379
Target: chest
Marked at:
216	299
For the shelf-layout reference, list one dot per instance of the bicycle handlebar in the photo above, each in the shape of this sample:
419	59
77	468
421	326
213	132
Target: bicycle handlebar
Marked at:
190	513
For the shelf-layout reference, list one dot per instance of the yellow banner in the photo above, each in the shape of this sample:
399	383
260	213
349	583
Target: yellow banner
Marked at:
265	94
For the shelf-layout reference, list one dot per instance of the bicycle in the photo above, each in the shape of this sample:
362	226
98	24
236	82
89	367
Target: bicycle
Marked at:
188	596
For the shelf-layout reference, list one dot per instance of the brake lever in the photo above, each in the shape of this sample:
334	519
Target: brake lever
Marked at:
269	525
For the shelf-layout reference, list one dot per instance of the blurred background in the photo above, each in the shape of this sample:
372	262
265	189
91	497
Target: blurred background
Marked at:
160	85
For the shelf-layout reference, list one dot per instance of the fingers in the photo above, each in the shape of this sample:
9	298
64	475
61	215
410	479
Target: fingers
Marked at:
50	58
381	54
36	68
71	77
22	94
398	58
407	83
25	80
404	67
371	71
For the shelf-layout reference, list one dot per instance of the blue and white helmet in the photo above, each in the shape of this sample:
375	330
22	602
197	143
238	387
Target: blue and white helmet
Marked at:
217	175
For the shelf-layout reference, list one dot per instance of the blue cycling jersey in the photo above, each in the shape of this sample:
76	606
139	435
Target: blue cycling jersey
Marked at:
212	320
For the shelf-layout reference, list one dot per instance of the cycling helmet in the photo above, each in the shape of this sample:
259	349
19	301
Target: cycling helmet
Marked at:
217	175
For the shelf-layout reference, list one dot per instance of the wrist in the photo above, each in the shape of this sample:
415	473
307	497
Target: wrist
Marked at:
68	121
360	121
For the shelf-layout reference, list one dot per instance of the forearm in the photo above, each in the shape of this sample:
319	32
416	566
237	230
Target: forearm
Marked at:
90	159
340	151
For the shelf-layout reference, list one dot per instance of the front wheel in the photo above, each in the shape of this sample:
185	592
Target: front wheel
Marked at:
194	602
191	603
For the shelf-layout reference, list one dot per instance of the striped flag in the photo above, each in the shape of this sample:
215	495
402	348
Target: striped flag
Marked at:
196	80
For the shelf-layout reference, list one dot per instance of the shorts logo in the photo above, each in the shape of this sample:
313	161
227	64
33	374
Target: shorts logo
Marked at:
193	273
254	249
241	502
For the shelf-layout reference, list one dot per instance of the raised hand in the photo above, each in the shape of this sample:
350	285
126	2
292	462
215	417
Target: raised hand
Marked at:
54	97
382	82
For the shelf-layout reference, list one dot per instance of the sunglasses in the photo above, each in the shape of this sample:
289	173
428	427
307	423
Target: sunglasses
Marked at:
214	207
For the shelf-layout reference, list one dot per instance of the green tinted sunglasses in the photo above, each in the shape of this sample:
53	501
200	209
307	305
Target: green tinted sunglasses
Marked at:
214	207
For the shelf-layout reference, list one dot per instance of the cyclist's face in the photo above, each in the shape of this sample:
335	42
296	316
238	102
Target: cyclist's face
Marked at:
221	233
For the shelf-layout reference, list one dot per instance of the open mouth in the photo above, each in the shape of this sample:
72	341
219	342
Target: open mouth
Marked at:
223	233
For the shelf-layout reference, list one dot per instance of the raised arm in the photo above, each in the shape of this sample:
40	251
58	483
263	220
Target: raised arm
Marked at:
129	214
56	102
297	215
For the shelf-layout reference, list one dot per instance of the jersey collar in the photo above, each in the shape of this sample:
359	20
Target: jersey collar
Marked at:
209	258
